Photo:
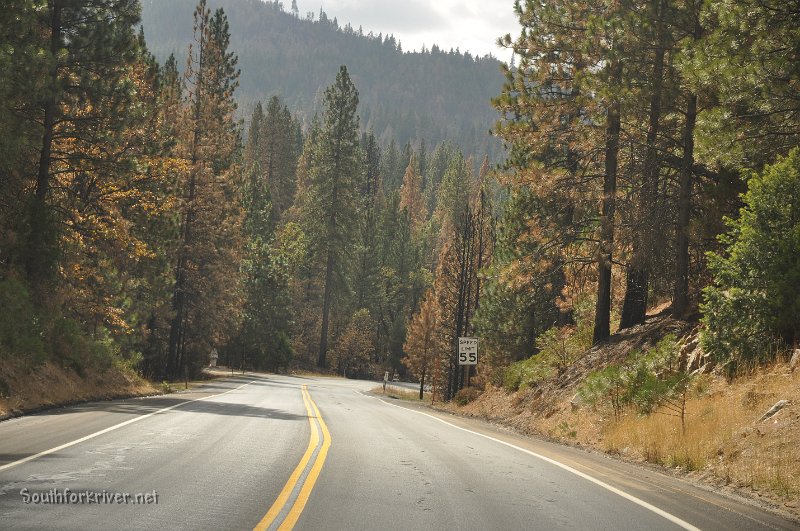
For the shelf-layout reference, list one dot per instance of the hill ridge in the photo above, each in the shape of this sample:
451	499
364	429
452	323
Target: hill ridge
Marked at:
430	95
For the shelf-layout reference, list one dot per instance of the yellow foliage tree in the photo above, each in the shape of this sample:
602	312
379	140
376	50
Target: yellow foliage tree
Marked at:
421	341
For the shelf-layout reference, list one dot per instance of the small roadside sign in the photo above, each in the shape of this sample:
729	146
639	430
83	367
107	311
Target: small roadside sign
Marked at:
467	350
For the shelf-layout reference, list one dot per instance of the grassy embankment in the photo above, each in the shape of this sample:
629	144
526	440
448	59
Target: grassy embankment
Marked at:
723	441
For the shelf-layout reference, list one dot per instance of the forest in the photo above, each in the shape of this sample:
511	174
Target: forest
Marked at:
651	161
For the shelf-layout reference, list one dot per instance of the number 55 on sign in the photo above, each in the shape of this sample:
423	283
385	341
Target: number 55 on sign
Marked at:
467	350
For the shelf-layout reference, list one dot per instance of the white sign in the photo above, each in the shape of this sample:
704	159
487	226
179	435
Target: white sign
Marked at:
467	350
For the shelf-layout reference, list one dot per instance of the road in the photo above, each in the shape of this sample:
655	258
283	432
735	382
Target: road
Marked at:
264	451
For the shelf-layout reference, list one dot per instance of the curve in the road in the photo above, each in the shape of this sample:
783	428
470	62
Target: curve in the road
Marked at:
290	503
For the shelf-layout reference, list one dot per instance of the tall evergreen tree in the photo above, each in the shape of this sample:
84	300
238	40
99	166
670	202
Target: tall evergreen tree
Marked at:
278	152
83	95
206	274
331	202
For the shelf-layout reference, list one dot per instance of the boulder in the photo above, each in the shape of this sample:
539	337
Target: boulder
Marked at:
774	410
795	361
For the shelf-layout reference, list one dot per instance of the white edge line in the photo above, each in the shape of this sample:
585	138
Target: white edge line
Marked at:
111	428
672	518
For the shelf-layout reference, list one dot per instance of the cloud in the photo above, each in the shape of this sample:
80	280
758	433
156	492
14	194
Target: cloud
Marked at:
469	25
406	16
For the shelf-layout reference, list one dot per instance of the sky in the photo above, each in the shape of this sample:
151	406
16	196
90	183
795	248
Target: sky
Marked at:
469	25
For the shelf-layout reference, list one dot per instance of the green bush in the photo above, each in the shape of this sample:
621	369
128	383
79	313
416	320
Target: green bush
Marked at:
72	347
605	385
559	348
753	305
650	381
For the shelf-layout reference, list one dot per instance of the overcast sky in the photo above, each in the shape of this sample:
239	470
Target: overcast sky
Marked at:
469	25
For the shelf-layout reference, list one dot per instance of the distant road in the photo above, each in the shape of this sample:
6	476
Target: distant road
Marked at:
259	451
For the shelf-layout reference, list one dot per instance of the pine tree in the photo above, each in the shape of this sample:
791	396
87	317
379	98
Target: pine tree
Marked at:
205	301
420	346
331	202
411	198
81	103
278	152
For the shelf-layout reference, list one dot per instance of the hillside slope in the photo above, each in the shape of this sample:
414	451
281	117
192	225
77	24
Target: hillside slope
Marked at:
729	441
434	96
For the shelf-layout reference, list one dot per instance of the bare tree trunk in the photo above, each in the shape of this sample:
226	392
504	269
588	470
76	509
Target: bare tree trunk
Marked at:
680	299
602	318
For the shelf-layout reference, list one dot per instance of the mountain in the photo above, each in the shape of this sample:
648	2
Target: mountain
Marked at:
434	95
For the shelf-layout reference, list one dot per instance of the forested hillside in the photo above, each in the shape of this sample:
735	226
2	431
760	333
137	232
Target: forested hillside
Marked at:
432	96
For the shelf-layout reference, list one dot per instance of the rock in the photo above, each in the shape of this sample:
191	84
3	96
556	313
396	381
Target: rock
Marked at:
693	359
773	410
690	346
795	361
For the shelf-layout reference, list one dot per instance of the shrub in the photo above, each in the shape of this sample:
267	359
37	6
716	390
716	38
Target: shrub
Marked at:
559	348
651	381
467	395
753	304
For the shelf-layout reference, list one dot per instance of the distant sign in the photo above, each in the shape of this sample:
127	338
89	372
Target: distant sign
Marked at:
467	350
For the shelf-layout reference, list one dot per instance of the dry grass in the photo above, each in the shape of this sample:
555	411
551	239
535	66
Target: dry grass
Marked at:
51	385
724	443
723	434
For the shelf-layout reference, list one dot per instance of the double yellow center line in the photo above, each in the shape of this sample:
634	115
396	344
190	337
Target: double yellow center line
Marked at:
290	503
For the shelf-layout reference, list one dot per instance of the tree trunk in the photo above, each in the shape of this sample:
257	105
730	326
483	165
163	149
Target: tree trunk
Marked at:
326	310
634	307
602	318
39	222
680	299
50	106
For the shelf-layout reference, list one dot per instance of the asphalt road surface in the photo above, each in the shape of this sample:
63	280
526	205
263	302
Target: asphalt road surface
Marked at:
276	452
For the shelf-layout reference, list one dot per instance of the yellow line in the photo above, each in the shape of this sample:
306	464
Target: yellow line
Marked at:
308	484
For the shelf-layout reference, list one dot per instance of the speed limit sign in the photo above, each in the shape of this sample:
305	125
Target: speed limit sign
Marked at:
467	350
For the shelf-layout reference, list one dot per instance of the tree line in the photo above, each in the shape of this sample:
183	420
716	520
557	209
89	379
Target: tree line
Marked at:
143	227
434	94
634	129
